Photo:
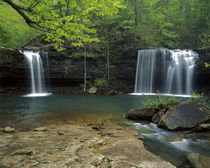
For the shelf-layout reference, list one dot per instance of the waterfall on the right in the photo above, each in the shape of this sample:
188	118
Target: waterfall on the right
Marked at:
166	71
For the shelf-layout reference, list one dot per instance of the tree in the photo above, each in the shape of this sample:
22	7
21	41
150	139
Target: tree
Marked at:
65	20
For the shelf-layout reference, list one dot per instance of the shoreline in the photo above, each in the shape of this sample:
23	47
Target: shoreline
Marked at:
77	145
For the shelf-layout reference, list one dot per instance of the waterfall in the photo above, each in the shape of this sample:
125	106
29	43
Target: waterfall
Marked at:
145	71
168	71
34	61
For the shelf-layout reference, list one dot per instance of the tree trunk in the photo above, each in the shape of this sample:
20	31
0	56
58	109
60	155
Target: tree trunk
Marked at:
85	68
108	57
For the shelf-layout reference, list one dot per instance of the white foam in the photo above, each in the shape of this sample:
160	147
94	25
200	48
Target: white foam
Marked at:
156	94
38	95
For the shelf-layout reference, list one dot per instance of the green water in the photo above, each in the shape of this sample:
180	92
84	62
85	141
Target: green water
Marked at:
28	112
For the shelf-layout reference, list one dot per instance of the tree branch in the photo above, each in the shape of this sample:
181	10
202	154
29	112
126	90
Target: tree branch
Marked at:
30	22
18	9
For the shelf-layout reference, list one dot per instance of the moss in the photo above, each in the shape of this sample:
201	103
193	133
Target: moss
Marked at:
92	145
29	153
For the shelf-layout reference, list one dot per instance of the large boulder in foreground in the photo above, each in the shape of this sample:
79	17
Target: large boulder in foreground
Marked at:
184	116
140	114
198	161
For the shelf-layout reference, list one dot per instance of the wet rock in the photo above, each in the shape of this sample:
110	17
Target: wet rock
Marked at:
175	139
41	129
92	90
205	126
80	147
131	152
202	128
198	161
112	92
140	114
8	130
184	116
157	116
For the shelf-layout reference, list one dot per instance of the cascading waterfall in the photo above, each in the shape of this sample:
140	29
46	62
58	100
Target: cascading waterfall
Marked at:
168	71
145	71
37	77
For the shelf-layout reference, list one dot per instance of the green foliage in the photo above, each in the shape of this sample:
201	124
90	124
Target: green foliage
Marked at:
92	145
207	65
205	39
137	23
100	82
160	100
14	32
29	152
200	99
70	21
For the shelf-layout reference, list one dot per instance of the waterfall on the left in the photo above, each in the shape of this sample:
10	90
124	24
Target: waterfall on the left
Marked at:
34	61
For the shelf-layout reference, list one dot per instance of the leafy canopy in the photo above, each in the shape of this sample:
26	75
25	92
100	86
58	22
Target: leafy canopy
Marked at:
66	20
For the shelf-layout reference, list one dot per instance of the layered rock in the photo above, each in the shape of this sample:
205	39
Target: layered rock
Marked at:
66	70
77	146
13	76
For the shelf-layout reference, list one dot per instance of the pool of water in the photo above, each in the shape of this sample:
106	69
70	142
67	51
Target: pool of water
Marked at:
30	112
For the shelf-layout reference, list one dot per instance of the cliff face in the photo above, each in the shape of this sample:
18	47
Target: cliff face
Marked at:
12	71
66	72
202	74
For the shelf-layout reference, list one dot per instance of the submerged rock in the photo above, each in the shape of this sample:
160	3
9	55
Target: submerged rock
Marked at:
140	114
198	161
184	116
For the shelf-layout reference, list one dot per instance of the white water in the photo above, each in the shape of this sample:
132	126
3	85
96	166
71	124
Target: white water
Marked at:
37	77
173	140
169	71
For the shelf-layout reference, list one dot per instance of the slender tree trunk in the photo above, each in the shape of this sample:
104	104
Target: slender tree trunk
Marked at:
67	7
135	20
108	58
85	68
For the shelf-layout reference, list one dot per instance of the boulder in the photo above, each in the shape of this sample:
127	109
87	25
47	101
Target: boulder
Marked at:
184	116
92	90
140	114
198	161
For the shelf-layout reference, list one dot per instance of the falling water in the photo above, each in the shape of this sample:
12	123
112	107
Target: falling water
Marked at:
37	77
169	71
145	71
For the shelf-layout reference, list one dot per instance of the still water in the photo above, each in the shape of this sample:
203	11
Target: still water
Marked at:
29	112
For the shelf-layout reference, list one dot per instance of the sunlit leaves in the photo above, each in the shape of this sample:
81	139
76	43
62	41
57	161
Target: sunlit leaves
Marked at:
70	20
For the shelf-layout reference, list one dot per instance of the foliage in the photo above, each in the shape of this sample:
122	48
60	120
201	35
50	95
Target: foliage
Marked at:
29	152
205	39
138	23
14	32
207	65
100	82
200	99
65	21
160	100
